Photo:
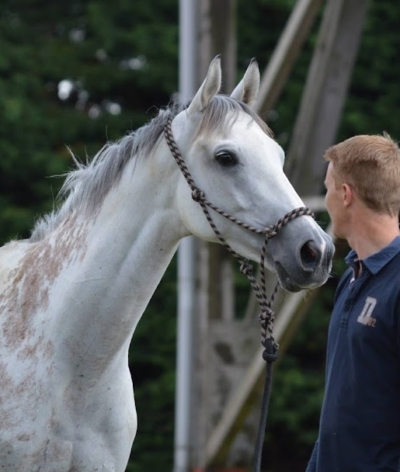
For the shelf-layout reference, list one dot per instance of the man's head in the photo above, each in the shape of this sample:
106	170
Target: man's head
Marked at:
370	166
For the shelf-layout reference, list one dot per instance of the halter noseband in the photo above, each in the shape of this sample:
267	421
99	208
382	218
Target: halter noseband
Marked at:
266	316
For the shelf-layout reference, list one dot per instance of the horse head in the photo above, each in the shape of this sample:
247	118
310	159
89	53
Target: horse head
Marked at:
232	157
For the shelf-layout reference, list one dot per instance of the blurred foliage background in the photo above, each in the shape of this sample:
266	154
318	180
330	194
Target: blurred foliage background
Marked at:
78	73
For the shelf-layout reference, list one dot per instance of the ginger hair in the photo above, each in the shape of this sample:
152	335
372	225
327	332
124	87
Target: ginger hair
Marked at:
370	164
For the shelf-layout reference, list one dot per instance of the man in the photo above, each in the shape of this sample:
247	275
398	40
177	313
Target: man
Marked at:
360	418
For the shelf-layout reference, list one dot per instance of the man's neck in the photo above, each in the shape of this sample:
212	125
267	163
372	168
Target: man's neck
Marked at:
371	233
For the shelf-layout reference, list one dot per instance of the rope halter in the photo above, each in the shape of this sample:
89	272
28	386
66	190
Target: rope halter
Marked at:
266	316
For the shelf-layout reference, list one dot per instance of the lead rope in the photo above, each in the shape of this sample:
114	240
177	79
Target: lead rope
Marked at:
266	316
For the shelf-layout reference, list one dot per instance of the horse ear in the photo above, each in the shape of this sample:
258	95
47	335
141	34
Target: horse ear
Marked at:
209	88
247	90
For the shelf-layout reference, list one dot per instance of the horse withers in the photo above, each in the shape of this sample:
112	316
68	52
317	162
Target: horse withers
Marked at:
72	295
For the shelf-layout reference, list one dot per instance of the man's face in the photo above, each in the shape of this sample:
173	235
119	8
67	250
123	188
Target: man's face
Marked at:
334	203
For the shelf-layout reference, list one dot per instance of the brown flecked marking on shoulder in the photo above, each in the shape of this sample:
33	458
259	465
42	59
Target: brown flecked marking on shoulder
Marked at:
28	288
38	348
6	381
11	391
58	454
49	350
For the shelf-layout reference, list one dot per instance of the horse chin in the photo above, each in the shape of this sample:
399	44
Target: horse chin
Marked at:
289	285
285	281
304	281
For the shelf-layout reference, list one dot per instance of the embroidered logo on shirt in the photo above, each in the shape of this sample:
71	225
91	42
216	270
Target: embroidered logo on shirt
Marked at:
365	317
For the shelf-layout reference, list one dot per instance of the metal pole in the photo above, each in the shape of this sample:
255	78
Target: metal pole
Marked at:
186	261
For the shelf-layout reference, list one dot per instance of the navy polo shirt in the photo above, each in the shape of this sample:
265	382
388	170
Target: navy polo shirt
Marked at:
360	417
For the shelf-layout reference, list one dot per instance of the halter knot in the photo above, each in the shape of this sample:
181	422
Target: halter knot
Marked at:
265	316
270	231
246	268
198	195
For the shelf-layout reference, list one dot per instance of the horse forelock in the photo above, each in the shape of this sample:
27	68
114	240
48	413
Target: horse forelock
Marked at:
223	111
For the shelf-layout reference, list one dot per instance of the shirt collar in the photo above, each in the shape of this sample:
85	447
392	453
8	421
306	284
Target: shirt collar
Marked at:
377	261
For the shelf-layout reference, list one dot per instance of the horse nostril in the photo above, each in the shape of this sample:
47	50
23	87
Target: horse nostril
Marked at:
310	255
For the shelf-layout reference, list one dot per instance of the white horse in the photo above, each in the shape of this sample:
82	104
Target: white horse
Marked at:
72	295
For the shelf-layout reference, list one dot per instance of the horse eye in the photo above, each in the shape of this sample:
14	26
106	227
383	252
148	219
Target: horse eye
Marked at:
225	158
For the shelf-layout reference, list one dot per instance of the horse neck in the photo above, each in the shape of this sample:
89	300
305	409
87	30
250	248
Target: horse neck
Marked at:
125	251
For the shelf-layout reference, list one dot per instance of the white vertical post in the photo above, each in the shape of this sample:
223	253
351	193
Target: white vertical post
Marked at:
186	260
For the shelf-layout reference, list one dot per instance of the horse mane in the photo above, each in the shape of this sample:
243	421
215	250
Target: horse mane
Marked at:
86	186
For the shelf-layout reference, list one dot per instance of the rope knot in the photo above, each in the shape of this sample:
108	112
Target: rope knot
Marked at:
265	316
270	353
198	195
270	231
246	268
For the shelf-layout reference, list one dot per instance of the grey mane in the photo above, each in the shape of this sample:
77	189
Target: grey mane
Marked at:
86	187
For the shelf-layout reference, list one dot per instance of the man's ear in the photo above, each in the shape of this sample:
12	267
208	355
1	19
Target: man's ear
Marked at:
348	195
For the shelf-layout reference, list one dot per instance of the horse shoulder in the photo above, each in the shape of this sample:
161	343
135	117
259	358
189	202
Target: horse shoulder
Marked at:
10	256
